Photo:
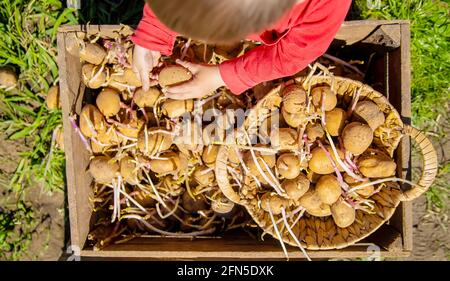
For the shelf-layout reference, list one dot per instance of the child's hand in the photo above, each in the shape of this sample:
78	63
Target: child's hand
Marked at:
205	80
144	61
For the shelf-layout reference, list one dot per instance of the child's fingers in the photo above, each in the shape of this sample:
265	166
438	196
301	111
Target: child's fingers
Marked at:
145	79
190	66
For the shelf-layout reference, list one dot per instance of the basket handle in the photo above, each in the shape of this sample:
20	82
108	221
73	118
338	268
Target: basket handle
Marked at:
222	178
430	164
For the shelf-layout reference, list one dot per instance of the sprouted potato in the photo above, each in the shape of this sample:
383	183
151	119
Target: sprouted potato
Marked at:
370	113
167	163
335	121
320	162
289	165
274	202
92	53
131	127
365	191
176	108
128	170
108	102
52	99
296	188
209	155
103	169
357	137
294	98
204	176
313	205
314	131
328	189
320	92
376	164
172	75
148	98
294	119
91	121
265	161
93	76
284	139
343	214
154	140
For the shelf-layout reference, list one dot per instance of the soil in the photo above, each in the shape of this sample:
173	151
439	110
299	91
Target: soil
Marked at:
48	237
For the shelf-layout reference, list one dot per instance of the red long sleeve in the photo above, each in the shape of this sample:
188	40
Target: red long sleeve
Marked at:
153	35
296	40
299	46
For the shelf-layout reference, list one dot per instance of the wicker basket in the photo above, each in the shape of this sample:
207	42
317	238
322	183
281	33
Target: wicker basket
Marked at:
321	233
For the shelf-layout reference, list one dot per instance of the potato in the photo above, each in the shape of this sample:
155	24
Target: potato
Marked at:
128	170
8	78
323	210
365	192
284	139
294	119
313	177
52	99
377	165
168	163
310	200
148	98
108	102
294	98
172	75
343	214
176	108
91	121
103	169
249	161
92	53
328	189
92	78
274	202
314	131
204	176
223	206
189	138
296	188
156	142
357	137
320	163
330	97
193	205
60	138
131	78
209	155
289	165
335	121
131	127
108	137
368	112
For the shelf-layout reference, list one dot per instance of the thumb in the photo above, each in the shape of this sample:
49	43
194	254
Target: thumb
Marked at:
192	67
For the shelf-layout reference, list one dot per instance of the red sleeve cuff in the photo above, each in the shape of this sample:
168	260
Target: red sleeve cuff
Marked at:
229	75
158	41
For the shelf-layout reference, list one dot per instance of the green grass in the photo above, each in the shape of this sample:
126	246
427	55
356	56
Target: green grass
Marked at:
27	43
430	52
430	58
16	228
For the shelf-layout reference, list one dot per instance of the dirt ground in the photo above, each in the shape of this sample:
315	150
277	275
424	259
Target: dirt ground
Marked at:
431	239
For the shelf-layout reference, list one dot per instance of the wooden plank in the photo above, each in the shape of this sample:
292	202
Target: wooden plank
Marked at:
77	158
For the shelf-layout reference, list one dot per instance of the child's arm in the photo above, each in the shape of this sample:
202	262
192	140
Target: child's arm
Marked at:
153	35
292	53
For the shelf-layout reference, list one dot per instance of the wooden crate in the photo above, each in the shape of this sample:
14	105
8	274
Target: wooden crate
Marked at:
390	75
